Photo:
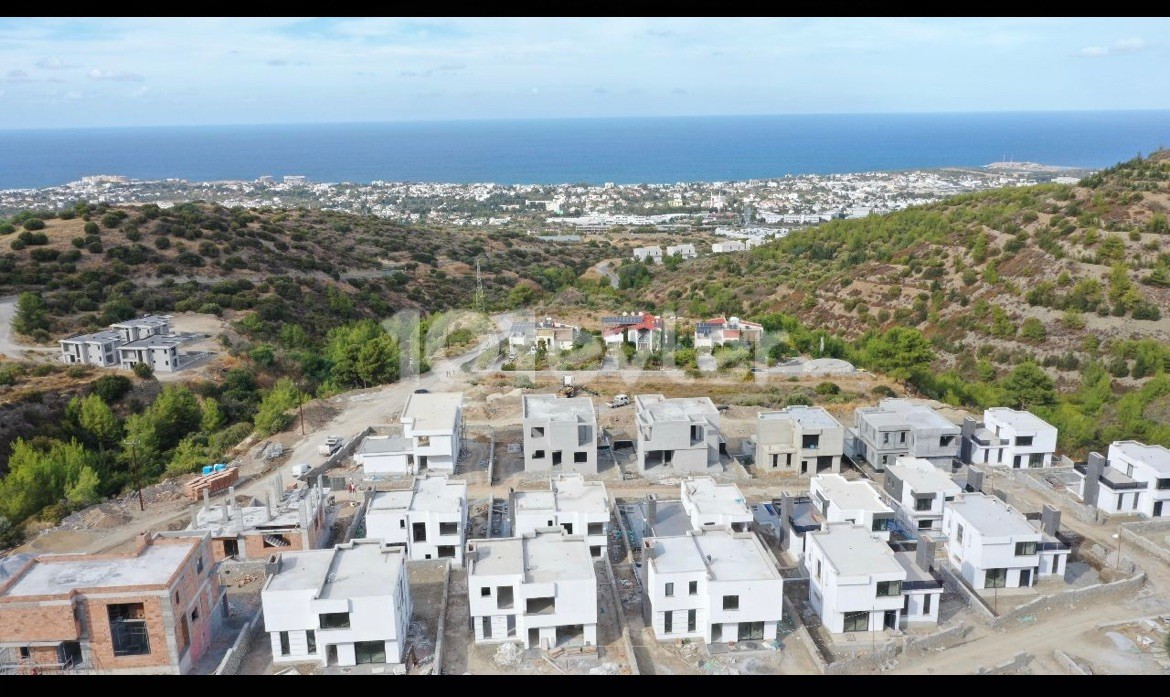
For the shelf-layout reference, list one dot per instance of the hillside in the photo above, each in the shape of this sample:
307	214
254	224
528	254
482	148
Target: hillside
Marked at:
95	264
1030	270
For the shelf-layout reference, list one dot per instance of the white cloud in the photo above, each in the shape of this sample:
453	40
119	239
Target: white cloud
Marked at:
1131	45
141	91
17	75
53	64
118	76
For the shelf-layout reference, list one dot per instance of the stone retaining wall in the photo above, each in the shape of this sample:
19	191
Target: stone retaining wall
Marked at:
1017	663
230	664
1069	598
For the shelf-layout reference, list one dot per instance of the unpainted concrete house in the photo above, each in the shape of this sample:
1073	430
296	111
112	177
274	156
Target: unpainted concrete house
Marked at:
714	584
156	609
288	520
571	503
429	519
900	427
540	590
798	440
682	433
344	606
560	434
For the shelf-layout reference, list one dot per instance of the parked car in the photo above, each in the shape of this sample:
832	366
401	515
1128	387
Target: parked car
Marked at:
300	470
619	400
331	445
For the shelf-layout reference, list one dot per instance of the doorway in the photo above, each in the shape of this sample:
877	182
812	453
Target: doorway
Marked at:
534	638
231	548
1157	509
891	620
1025	578
422	462
331	655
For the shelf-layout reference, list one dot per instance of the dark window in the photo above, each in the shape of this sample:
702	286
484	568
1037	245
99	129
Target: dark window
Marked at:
1024	549
924	524
581	456
1164	483
1023	440
284	647
995	578
669	592
24	652
556	459
857	621
420	532
311	638
693	588
199	565
537	432
810	442
369	652
537	454
925	604
401	523
691	620
667	622
596	528
568	528
448	528
946	440
128	629
888	589
923	504
446	551
504	599
231	548
731	602
880	524
485	592
334	620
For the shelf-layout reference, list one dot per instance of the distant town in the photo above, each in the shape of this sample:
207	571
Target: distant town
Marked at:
756	207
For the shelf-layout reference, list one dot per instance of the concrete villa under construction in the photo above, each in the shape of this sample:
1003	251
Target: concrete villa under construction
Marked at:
287	521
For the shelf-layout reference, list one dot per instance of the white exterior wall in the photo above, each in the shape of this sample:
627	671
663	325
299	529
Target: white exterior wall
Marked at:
912	518
976	553
832	595
99	353
759	601
443	450
914	601
528	521
1148	497
389	525
836	514
382	617
385	463
576	603
1043	442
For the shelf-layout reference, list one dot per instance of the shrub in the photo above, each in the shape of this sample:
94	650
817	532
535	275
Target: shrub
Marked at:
883	391
7	228
143	370
112	388
827	388
34	224
91	228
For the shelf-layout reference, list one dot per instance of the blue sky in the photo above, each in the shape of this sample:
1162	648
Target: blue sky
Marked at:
58	72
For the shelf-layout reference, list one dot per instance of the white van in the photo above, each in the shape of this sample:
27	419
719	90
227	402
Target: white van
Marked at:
300	470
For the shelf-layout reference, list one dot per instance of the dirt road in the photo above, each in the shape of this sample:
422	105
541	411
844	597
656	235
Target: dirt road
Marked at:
8	345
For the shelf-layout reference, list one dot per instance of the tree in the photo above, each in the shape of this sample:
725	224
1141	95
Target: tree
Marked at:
899	352
30	314
99	421
82	490
1029	386
272	415
112	388
10	535
42	474
175	413
211	417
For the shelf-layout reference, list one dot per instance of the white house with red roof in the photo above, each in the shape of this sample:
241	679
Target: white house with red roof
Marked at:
642	329
718	331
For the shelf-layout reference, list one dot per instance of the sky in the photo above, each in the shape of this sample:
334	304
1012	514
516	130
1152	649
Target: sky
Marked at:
115	72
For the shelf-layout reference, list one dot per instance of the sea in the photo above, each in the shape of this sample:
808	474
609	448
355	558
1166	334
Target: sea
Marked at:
595	151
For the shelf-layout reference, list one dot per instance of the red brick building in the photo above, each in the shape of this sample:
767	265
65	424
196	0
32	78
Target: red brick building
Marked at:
154	610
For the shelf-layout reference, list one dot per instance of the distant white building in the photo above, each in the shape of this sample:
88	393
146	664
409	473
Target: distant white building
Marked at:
642	329
840	500
708	504
540	590
855	581
993	545
571	503
385	455
160	352
1009	438
686	251
729	246
644	254
720	331
429	519
434	424
683	432
560	434
921	492
553	335
148	340
900	427
99	348
713	584
343	606
798	440
1135	478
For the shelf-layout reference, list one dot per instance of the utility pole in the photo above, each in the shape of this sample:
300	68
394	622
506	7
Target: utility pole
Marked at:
134	469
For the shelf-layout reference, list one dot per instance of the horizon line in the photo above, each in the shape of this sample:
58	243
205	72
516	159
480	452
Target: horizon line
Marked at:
580	118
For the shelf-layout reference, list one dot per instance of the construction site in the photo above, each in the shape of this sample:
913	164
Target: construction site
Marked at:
1108	611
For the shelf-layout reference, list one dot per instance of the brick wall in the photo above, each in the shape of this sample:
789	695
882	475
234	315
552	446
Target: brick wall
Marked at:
253	544
37	621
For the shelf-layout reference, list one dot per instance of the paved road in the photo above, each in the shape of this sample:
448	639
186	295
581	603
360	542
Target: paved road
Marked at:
603	269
